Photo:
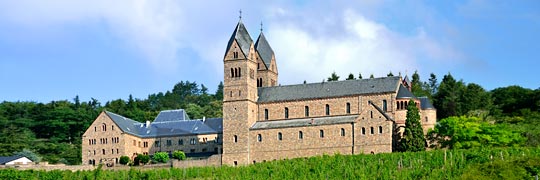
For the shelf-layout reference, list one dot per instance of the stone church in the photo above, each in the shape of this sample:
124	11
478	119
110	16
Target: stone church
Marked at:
264	121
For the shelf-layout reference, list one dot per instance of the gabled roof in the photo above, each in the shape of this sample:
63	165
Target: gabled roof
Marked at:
328	89
263	48
172	115
168	127
6	159
304	122
404	92
425	103
241	35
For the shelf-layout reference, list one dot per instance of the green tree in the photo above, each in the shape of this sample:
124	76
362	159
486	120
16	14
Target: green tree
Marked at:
161	157
448	97
475	98
350	77
333	77
413	138
180	155
219	91
141	159
124	160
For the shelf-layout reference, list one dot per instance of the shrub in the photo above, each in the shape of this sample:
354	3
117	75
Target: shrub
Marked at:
124	160
161	157
141	159
180	155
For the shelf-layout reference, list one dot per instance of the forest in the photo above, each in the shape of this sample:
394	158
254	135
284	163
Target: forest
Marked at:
472	116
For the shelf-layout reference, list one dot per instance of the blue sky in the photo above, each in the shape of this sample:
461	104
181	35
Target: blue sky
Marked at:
55	50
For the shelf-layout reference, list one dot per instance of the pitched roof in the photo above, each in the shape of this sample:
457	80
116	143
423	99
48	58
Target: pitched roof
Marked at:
263	48
403	92
6	159
241	35
304	122
425	103
328	89
171	115
168	127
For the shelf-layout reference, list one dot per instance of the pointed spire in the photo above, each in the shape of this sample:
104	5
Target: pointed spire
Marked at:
242	37
263	48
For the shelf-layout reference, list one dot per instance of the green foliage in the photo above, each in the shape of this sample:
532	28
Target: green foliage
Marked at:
124	160
413	138
180	155
470	132
29	154
141	159
350	77
333	77
161	157
491	163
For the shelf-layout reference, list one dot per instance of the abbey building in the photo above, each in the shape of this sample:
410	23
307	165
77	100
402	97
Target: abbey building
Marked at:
265	121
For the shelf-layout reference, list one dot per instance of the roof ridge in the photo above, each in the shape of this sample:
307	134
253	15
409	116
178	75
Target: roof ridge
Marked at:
330	82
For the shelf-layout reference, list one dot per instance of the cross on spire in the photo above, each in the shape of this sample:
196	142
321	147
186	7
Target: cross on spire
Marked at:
261	26
240	16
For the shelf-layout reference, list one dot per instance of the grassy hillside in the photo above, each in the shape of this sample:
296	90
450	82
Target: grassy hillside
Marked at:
512	163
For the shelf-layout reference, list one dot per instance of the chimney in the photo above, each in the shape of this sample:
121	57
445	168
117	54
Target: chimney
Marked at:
147	124
203	119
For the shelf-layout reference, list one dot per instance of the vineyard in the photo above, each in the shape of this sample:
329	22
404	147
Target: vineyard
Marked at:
500	163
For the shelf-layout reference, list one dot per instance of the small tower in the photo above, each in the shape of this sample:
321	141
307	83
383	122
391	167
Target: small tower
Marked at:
266	63
239	96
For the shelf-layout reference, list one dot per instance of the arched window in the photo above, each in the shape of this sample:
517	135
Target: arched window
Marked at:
232	72
327	109
235	55
265	114
279	136
261	82
181	142
112	127
406	104
258	85
104	127
401	105
348	108
306	111
380	129
397	104
235	138
103	151
321	133
239	72
426	119
286	113
300	135
239	92
371	114
371	128
95	129
259	137
342	132
363	131
384	105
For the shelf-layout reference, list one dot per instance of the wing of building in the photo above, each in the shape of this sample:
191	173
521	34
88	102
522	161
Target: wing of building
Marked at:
265	121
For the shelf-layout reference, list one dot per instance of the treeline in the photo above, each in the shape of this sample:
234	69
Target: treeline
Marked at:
53	130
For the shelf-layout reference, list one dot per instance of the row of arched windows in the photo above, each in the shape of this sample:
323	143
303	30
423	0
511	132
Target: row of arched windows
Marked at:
300	135
372	130
327	110
401	105
103	127
236	72
260	82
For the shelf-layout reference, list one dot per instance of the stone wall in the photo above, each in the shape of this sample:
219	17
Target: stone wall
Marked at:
102	141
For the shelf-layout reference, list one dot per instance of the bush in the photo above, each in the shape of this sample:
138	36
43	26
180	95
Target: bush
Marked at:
124	160
29	154
180	155
161	157
142	159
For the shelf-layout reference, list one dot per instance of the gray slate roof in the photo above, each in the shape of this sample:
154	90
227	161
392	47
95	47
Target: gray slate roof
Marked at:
328	89
6	159
304	122
425	103
168	128
241	35
404	92
171	115
265	51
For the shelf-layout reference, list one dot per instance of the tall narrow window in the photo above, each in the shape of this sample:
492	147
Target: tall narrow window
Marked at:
380	129
279	136
306	110
384	105
300	135
426	119
371	114
371	128
327	109
397	103
286	113
104	127
235	138
348	108
239	72
363	131
259	137
342	132
181	142
258	85
232	72
235	72
265	114
103	151
321	133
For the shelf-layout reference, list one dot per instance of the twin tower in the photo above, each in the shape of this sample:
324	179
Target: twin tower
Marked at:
247	66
